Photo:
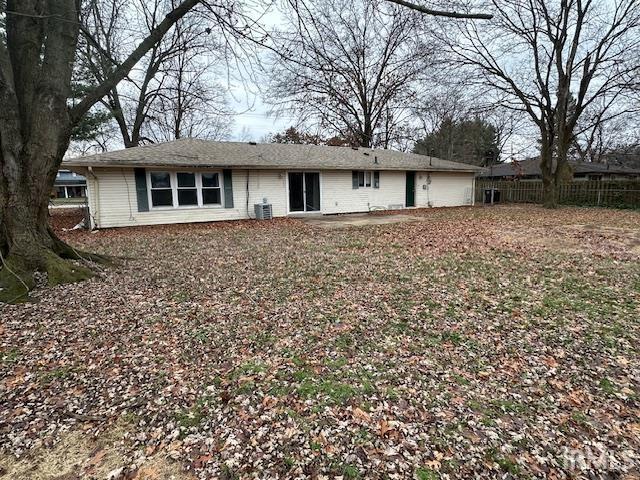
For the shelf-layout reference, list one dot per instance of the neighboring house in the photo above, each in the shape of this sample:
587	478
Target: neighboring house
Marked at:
191	180
69	185
530	170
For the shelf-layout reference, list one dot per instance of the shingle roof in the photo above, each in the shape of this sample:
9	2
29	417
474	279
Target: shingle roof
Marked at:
65	177
531	167
191	152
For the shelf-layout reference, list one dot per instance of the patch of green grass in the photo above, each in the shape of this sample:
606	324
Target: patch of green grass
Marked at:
460	379
392	394
401	326
302	375
505	463
572	284
191	417
10	356
248	369
423	473
509	406
263	339
336	364
278	389
450	336
580	418
508	465
315	446
201	335
335	392
298	362
349	471
181	297
227	473
607	386
363	436
61	373
344	341
487	421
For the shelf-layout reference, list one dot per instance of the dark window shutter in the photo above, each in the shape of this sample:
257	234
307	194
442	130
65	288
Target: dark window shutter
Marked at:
141	189
228	188
376	179
354	179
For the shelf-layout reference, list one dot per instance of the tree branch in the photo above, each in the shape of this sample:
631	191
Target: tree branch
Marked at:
123	69
441	13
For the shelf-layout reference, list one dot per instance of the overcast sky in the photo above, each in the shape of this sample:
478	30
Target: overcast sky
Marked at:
252	122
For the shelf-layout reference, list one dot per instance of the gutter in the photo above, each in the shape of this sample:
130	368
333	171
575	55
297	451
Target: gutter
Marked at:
379	167
96	200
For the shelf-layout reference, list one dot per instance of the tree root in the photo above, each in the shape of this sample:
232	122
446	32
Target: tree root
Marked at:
61	271
71	253
17	276
67	251
15	281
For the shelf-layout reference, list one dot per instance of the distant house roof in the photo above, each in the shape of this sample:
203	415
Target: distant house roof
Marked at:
190	152
531	168
67	177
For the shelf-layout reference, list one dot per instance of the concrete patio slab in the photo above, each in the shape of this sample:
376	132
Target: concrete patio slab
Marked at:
357	220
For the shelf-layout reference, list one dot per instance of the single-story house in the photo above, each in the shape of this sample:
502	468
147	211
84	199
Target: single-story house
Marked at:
191	180
529	169
69	184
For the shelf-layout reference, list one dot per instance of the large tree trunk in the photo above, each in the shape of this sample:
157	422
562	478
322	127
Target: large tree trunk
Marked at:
28	245
36	63
35	130
555	171
548	166
550	192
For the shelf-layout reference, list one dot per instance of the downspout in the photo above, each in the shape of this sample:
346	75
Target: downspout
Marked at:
96	202
473	189
247	194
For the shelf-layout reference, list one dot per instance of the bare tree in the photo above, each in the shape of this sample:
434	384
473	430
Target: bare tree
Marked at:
190	103
171	77
349	67
537	56
36	121
442	13
36	64
601	129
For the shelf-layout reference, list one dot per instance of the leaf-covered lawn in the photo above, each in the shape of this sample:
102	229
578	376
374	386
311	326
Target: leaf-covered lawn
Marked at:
481	342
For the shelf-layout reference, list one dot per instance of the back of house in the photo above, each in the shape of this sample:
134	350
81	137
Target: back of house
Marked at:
191	180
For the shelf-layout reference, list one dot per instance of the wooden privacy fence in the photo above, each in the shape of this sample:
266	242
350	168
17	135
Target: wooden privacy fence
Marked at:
605	193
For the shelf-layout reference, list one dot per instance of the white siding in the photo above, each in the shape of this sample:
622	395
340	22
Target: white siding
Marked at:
446	189
113	199
117	204
339	196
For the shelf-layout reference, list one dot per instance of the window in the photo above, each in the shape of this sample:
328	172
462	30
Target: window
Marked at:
75	192
184	189
366	179
187	191
161	192
211	194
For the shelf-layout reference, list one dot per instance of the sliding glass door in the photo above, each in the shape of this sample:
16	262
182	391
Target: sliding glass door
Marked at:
304	191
